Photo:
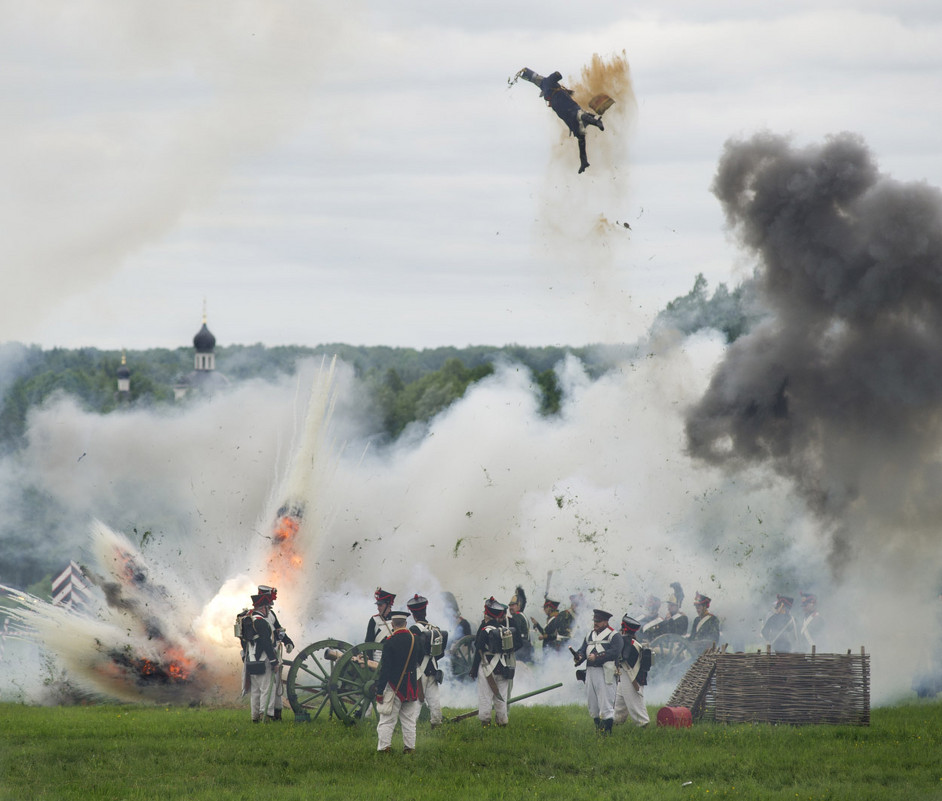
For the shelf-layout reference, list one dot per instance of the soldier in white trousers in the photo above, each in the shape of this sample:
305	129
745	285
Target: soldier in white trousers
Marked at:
494	662
600	652
633	669
397	688
434	643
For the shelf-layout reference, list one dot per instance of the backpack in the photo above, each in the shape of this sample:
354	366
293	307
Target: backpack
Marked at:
647	660
244	630
437	640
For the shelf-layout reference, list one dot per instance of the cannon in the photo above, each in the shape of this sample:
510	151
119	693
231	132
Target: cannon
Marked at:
333	675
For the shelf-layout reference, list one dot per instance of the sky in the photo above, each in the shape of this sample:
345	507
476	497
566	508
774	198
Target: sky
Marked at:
365	173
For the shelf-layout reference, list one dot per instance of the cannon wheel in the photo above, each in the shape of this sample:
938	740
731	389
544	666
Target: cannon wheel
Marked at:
673	654
351	682
461	656
308	682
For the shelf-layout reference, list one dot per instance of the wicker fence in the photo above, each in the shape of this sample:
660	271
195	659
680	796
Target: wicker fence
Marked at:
777	688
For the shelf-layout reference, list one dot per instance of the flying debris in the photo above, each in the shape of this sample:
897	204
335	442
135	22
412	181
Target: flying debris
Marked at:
560	99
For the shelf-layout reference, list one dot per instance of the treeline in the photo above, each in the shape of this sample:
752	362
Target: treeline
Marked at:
403	384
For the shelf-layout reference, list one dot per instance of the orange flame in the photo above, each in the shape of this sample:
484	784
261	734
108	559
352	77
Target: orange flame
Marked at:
285	539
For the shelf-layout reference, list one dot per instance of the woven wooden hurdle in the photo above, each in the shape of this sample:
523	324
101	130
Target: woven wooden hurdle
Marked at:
777	688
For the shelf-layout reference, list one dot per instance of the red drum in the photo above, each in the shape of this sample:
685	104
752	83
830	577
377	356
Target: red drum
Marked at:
677	716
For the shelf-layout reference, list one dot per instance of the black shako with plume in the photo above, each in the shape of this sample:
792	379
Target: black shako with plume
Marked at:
839	388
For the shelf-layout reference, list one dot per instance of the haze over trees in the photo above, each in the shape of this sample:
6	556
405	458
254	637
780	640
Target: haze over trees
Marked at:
403	384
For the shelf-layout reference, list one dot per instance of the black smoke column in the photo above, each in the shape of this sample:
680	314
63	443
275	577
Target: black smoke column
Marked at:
840	387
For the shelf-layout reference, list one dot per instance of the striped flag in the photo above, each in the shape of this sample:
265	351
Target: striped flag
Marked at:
69	587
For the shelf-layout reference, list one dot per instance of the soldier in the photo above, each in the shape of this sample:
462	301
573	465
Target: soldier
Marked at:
282	642
462	626
434	641
380	627
494	662
675	621
519	621
397	687
558	627
706	626
600	650
559	98
779	630
632	676
261	661
651	617
812	624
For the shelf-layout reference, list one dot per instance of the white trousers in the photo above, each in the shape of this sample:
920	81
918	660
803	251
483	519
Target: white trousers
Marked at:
487	701
406	713
601	696
433	698
265	694
630	702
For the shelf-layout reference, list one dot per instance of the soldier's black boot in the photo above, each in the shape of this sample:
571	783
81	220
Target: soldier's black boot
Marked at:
590	119
598	724
277	714
583	159
607	726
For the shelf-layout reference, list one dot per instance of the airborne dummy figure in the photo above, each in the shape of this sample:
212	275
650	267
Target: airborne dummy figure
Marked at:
560	99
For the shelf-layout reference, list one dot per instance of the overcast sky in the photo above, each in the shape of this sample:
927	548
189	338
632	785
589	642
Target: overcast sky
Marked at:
362	172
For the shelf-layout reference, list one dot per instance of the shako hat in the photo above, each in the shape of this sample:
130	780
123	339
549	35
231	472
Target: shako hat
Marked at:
677	594
271	592
384	597
494	608
628	623
808	598
550	602
703	600
417	602
784	599
600	614
400	614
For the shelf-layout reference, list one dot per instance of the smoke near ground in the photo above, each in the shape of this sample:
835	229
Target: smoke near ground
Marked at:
601	499
840	389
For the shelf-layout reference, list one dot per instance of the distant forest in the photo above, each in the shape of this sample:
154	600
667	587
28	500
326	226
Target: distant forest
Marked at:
403	384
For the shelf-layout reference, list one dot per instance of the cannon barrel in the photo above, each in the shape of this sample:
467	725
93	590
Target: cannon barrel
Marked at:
530	694
333	654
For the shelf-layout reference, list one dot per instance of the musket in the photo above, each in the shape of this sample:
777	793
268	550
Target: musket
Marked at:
466	715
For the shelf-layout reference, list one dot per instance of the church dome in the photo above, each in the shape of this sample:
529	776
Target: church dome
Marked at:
204	341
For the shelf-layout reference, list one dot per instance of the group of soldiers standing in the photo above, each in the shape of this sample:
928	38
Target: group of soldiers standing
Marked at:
784	634
613	664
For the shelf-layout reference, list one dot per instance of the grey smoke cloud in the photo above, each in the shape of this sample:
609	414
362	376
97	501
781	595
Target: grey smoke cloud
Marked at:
840	388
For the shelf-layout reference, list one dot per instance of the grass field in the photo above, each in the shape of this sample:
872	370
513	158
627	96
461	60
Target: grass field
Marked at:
134	752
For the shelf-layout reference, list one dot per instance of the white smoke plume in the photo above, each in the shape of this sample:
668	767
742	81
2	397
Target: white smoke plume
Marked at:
90	183
491	495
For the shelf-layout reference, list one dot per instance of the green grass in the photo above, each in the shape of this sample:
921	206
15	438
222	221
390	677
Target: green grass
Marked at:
133	752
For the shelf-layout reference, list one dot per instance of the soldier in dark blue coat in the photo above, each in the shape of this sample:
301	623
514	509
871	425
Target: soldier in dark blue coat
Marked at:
397	688
568	110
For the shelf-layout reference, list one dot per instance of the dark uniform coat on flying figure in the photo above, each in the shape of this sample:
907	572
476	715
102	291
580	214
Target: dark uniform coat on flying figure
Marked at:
568	110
